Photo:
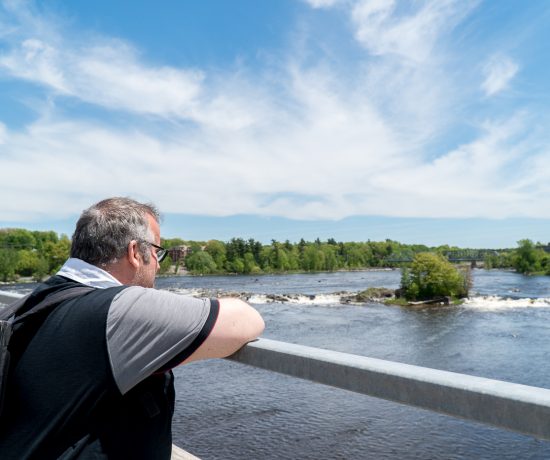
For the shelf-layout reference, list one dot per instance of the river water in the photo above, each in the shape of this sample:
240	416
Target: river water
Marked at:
230	411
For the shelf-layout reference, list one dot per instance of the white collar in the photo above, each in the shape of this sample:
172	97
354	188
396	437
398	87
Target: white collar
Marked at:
88	274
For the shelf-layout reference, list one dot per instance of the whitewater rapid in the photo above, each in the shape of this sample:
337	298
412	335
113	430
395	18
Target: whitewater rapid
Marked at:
476	302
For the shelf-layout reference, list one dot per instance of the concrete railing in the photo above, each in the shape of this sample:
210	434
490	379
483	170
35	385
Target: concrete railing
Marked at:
511	406
521	408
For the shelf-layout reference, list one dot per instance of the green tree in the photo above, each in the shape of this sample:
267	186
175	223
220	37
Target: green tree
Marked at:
250	265
331	258
200	262
165	265
28	262
56	253
354	255
8	263
42	238
17	238
236	265
313	258
527	257
171	242
431	275
217	251
255	247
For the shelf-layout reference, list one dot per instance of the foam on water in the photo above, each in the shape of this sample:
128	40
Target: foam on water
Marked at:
190	292
298	299
476	302
492	303
482	303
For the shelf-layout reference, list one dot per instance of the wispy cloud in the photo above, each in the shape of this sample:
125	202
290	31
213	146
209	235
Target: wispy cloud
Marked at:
411	35
308	145
108	72
322	3
498	71
477	179
3	133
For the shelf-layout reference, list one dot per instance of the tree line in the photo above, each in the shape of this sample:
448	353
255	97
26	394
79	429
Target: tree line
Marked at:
242	256
37	254
252	257
528	258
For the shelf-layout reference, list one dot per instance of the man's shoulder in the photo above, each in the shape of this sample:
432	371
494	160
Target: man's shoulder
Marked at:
138	295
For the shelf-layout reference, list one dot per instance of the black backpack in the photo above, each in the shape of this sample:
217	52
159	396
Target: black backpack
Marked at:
22	312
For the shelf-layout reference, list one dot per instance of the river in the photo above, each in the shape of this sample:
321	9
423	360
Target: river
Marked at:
230	411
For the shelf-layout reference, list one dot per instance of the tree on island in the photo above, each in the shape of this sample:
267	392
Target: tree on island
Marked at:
431	276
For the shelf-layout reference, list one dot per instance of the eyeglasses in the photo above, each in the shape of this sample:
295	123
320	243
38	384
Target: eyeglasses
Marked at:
160	252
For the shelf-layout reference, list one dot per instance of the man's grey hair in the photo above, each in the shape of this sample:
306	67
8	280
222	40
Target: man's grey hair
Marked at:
105	229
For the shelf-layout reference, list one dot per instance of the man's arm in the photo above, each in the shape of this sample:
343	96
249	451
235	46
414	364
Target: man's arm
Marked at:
149	331
237	324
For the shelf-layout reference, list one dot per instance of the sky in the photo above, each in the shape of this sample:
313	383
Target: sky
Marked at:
419	121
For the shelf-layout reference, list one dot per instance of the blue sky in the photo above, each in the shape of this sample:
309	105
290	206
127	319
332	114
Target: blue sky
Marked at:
420	121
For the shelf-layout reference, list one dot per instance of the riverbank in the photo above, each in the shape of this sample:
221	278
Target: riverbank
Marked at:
22	280
184	272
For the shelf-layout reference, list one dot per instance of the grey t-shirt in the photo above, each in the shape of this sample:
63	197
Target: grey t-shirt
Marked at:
147	328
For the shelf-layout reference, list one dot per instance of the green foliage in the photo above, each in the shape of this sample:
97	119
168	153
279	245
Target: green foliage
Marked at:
499	259
529	259
250	266
171	242
31	263
430	276
57	253
17	238
31	254
200	262
165	265
217	251
236	265
313	258
8	263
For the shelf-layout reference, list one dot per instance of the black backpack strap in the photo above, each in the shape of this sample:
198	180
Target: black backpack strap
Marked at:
9	320
12	309
51	301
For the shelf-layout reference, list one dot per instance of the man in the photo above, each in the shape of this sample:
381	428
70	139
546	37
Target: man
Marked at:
94	380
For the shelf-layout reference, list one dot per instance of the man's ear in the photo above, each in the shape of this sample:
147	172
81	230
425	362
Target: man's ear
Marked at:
134	256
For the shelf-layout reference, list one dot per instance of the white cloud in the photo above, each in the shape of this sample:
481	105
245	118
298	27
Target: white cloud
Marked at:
477	179
3	133
35	60
499	71
411	36
322	3
310	145
109	75
338	163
